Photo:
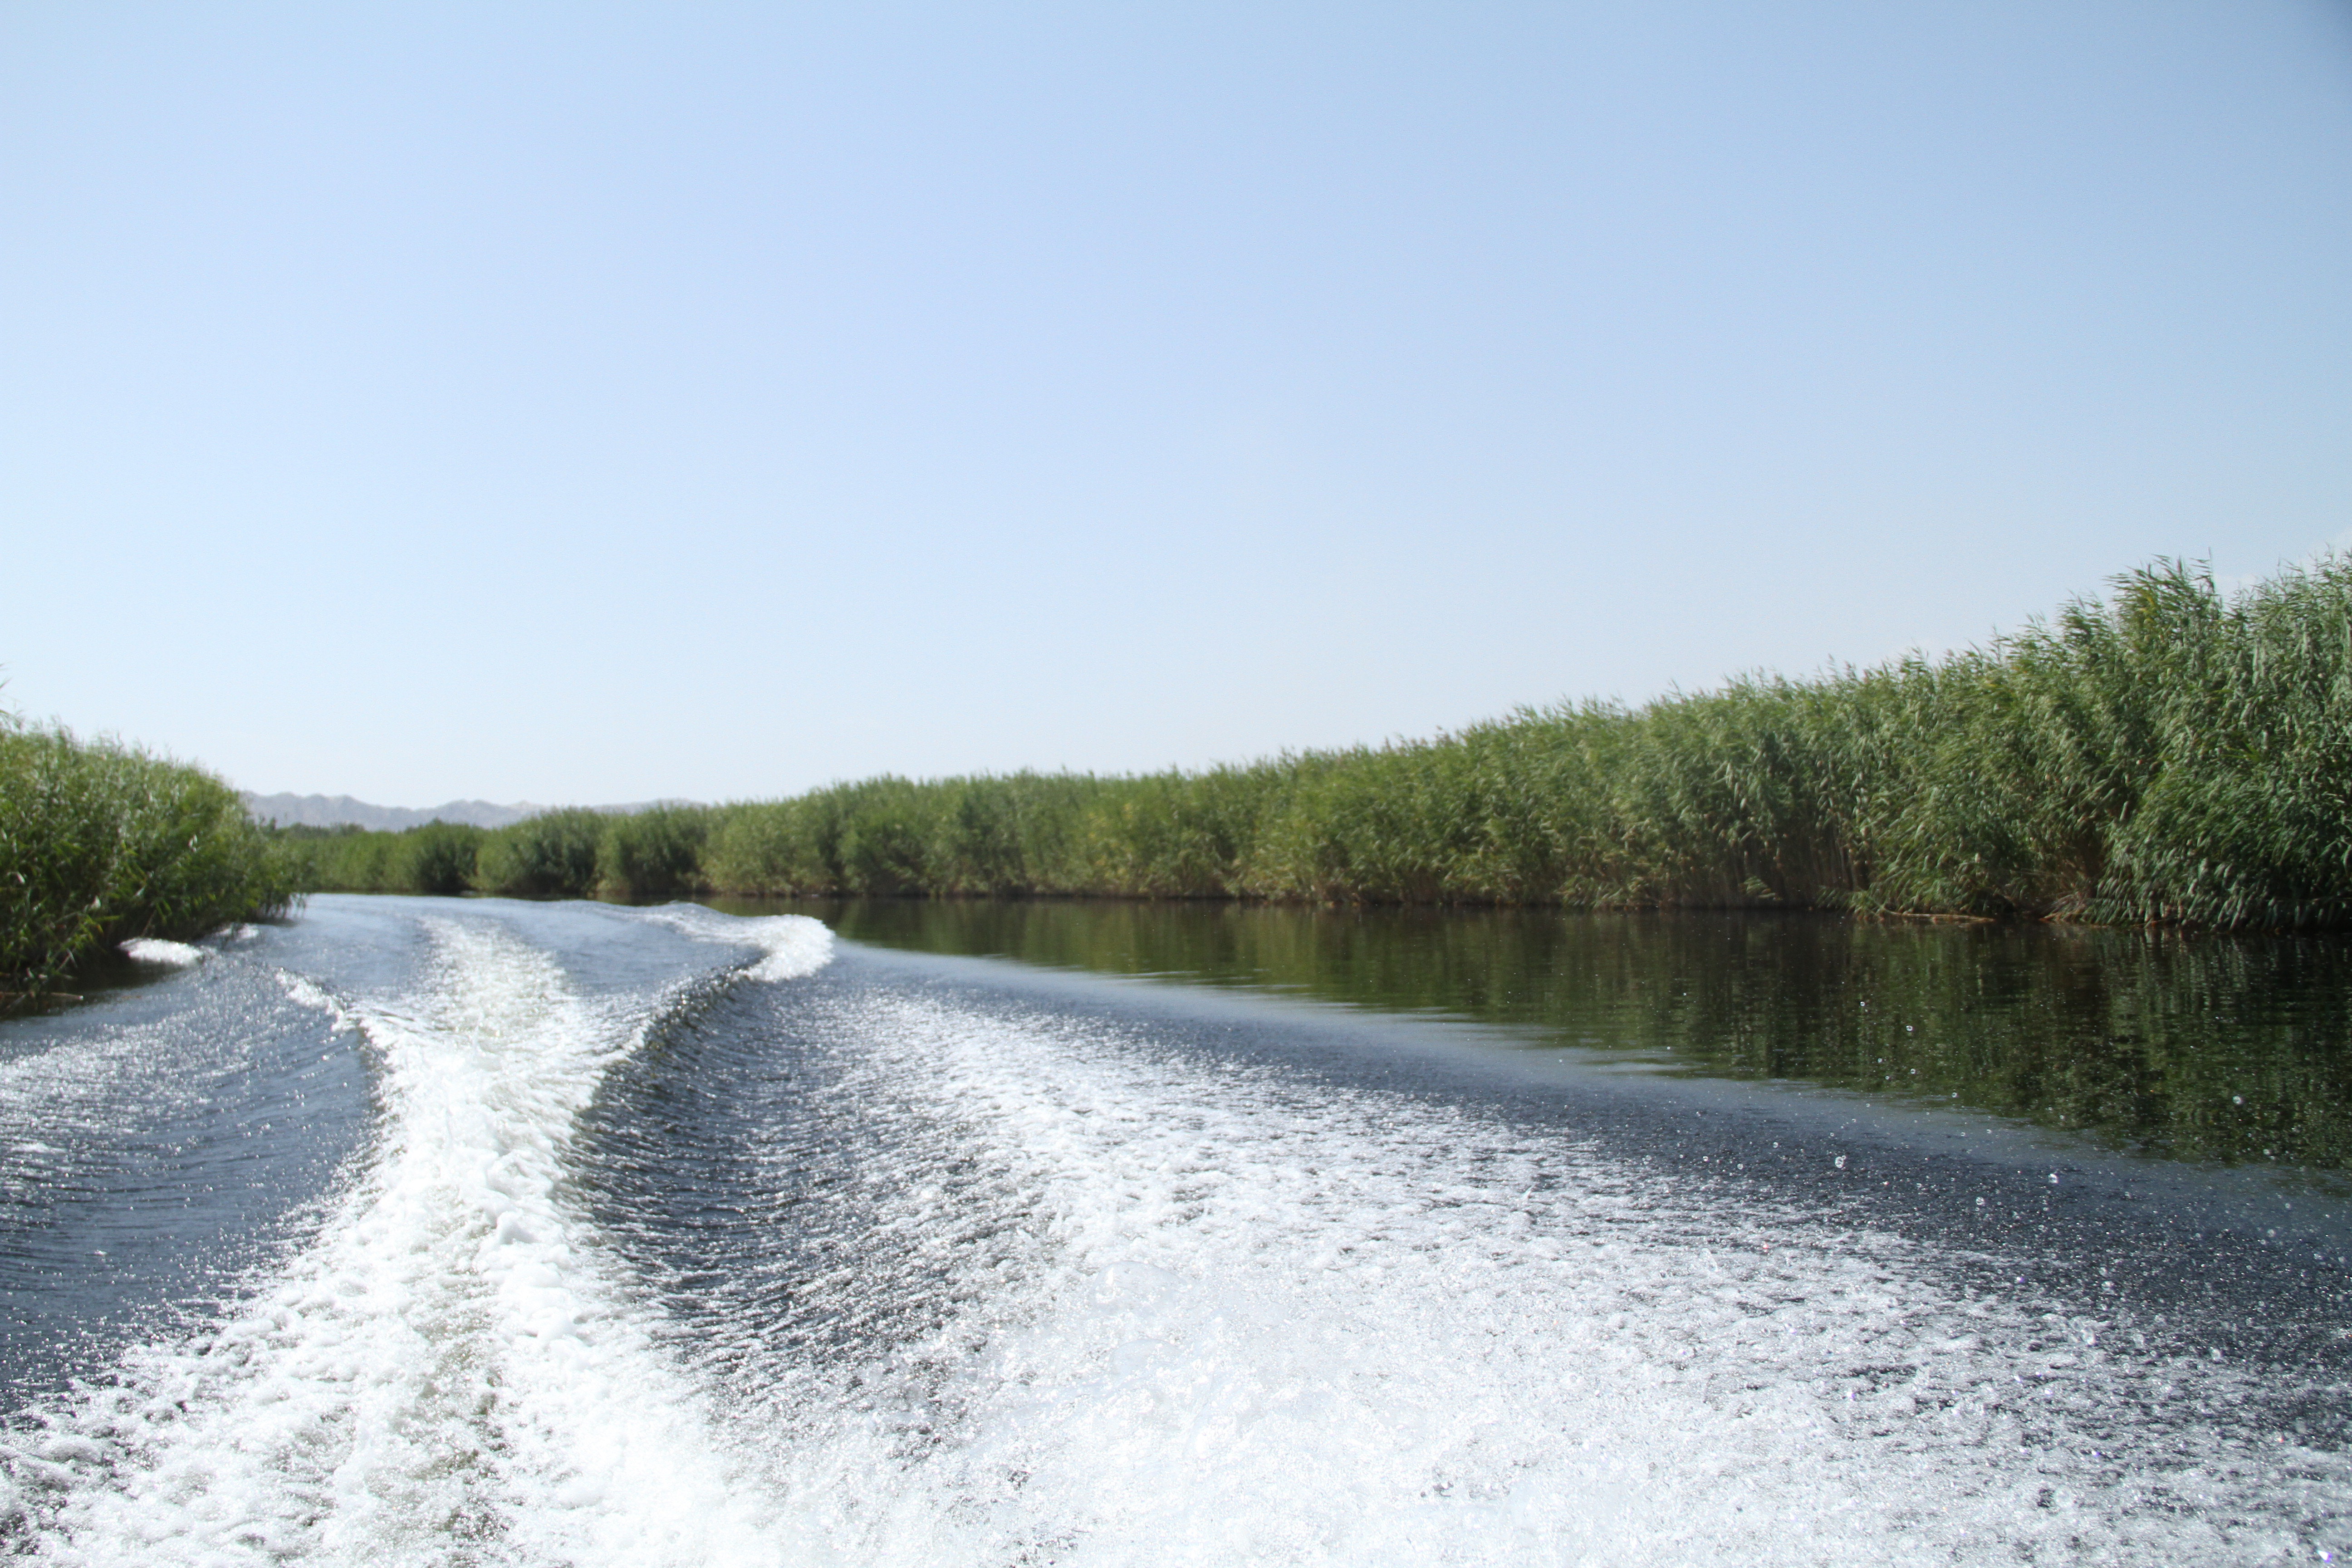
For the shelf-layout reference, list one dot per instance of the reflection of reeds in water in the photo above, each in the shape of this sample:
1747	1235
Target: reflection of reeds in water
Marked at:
2169	754
2208	1046
99	843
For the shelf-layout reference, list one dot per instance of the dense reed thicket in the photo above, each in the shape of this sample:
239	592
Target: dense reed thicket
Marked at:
99	843
2168	753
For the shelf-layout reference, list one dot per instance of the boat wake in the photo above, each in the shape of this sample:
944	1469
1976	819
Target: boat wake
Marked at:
788	1263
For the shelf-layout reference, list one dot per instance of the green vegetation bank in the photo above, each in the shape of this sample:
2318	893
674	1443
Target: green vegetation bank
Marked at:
99	843
2169	754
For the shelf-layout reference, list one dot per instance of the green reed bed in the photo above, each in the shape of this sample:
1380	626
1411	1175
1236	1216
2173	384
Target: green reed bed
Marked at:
100	843
438	857
2168	753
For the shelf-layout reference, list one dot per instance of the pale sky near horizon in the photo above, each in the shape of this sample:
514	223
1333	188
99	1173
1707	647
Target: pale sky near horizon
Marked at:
600	403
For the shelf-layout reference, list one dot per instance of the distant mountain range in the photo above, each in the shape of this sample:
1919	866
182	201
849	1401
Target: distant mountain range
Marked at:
337	810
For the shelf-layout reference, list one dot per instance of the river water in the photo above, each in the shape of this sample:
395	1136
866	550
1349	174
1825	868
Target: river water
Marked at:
431	1231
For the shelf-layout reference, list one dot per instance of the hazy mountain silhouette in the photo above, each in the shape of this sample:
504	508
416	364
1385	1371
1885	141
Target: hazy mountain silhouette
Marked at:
336	810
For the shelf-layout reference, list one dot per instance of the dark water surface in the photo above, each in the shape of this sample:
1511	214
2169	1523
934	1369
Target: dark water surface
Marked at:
2235	1049
426	1231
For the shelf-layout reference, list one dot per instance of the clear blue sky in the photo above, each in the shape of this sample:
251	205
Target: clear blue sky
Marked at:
584	403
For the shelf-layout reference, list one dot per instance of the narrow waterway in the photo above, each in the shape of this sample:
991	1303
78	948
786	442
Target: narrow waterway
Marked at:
470	1231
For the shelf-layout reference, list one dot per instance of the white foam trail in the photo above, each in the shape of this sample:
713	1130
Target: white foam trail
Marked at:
449	1375
1221	1320
309	992
794	946
1194	1313
156	950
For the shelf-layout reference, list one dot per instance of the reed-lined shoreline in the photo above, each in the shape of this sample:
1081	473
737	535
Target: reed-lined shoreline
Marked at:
101	842
2169	754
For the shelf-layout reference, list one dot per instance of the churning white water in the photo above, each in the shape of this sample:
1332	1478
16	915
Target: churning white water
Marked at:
449	1371
1243	1321
1175	1309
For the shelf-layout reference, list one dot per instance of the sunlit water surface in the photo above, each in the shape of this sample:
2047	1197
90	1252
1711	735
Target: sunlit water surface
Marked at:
474	1231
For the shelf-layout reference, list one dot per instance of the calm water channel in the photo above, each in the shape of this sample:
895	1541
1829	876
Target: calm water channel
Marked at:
481	1232
2232	1050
